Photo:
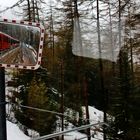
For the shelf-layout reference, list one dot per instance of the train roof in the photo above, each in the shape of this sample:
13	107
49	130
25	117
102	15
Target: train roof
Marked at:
8	36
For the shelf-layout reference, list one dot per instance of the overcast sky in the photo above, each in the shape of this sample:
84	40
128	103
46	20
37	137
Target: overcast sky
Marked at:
10	13
4	4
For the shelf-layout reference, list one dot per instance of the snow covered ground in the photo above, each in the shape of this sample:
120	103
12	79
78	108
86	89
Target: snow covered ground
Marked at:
14	133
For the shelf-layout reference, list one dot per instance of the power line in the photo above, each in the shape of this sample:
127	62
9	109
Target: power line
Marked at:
48	111
43	110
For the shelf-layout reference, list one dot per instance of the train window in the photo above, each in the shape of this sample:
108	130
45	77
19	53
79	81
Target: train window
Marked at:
21	44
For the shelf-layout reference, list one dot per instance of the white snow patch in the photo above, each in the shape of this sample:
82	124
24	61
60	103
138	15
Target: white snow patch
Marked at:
14	133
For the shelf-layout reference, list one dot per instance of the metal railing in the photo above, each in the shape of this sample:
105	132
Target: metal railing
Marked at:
67	131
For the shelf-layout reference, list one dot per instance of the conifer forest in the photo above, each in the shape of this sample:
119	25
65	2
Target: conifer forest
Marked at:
91	57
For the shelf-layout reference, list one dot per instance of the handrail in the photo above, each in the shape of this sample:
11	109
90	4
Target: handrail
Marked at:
67	131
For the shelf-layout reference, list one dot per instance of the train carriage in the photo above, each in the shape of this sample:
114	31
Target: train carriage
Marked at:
6	41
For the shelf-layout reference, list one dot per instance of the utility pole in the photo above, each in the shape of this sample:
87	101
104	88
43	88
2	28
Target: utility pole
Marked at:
3	134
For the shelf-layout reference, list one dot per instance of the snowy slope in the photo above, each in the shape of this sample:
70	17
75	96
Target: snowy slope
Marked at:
95	117
13	132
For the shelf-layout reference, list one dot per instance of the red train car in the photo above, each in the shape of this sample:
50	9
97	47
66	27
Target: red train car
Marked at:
7	41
